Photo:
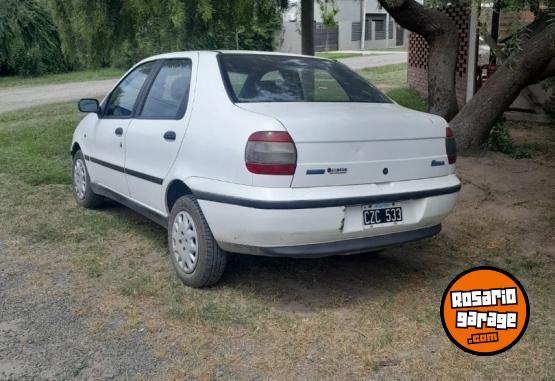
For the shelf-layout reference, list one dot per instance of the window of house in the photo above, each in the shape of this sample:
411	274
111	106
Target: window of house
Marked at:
368	30
379	26
356	31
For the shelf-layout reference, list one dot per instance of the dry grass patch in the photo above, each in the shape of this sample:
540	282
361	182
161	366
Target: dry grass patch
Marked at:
373	316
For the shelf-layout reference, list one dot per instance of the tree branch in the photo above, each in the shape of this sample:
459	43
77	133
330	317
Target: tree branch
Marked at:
442	36
533	61
549	71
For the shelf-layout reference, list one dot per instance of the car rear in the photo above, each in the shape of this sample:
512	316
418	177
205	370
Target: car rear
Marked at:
357	172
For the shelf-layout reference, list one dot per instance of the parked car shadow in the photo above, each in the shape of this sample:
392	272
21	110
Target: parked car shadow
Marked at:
307	285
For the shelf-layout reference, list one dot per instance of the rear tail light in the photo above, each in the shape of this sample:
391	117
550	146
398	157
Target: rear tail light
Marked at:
450	146
271	153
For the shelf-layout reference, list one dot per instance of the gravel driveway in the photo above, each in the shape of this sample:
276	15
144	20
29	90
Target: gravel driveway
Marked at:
48	336
15	98
359	63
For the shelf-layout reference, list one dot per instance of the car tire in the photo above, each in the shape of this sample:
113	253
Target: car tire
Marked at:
195	254
81	184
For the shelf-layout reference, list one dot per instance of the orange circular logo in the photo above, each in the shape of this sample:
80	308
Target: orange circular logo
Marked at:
485	311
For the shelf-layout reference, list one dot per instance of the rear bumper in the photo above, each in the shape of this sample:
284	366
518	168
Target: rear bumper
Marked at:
321	221
350	246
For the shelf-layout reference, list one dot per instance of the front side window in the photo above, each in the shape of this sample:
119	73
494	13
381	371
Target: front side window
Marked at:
275	78
167	96
123	98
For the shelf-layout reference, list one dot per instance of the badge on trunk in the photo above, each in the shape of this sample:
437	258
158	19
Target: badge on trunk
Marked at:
337	171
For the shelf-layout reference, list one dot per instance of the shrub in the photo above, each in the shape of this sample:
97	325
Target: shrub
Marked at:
499	140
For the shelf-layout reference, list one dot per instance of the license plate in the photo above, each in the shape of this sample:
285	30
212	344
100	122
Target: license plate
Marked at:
381	214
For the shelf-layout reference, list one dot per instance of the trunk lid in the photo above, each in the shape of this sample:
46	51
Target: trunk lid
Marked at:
360	143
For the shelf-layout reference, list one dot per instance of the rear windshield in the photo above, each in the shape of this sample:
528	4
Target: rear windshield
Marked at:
273	78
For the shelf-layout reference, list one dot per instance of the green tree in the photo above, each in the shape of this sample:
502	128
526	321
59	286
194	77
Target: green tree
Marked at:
328	11
120	32
29	42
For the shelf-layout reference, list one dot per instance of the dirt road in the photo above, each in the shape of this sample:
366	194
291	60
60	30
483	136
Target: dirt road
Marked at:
15	98
375	60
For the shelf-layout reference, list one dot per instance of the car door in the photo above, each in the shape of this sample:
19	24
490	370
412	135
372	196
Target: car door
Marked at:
154	137
106	159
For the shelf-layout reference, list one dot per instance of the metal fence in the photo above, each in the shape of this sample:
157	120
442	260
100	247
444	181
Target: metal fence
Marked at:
325	39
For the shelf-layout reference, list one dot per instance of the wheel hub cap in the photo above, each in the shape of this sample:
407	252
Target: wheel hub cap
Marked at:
184	242
79	178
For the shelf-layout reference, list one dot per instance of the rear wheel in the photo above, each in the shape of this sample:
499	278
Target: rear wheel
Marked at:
82	192
195	254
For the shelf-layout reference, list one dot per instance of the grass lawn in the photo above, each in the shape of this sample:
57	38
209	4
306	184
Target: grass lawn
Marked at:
386	77
392	79
73	76
408	97
371	316
401	49
336	55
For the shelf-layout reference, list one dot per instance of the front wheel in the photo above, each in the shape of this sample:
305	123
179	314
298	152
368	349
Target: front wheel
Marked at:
82	192
195	254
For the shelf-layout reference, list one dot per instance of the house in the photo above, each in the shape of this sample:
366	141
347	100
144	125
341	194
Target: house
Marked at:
380	31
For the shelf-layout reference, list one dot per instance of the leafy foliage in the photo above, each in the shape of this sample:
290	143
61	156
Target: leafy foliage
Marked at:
120	32
328	11
29	42
500	141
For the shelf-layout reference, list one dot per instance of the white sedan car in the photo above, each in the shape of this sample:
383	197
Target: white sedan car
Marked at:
266	154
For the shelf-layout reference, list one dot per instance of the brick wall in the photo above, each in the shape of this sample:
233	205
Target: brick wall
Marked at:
509	22
417	68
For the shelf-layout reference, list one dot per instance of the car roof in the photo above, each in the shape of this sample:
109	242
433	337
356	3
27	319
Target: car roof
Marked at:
183	54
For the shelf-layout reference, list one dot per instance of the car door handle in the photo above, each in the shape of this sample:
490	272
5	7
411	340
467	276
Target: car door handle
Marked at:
119	131
169	135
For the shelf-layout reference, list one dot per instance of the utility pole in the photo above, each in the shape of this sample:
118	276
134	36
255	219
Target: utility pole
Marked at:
307	27
387	36
362	23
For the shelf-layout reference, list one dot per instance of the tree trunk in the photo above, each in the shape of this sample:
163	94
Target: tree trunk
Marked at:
307	27
532	63
442	36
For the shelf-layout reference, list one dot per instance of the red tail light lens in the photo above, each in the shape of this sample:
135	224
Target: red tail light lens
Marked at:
450	146
271	153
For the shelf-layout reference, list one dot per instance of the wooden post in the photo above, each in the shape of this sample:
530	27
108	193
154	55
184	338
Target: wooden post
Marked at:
307	27
387	30
362	24
472	51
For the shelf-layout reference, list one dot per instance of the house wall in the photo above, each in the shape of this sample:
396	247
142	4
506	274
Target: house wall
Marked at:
417	66
288	39
349	11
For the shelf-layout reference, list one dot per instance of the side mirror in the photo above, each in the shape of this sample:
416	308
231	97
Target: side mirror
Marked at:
89	105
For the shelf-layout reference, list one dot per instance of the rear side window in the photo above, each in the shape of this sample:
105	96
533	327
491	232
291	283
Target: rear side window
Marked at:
122	99
237	80
275	78
167	97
